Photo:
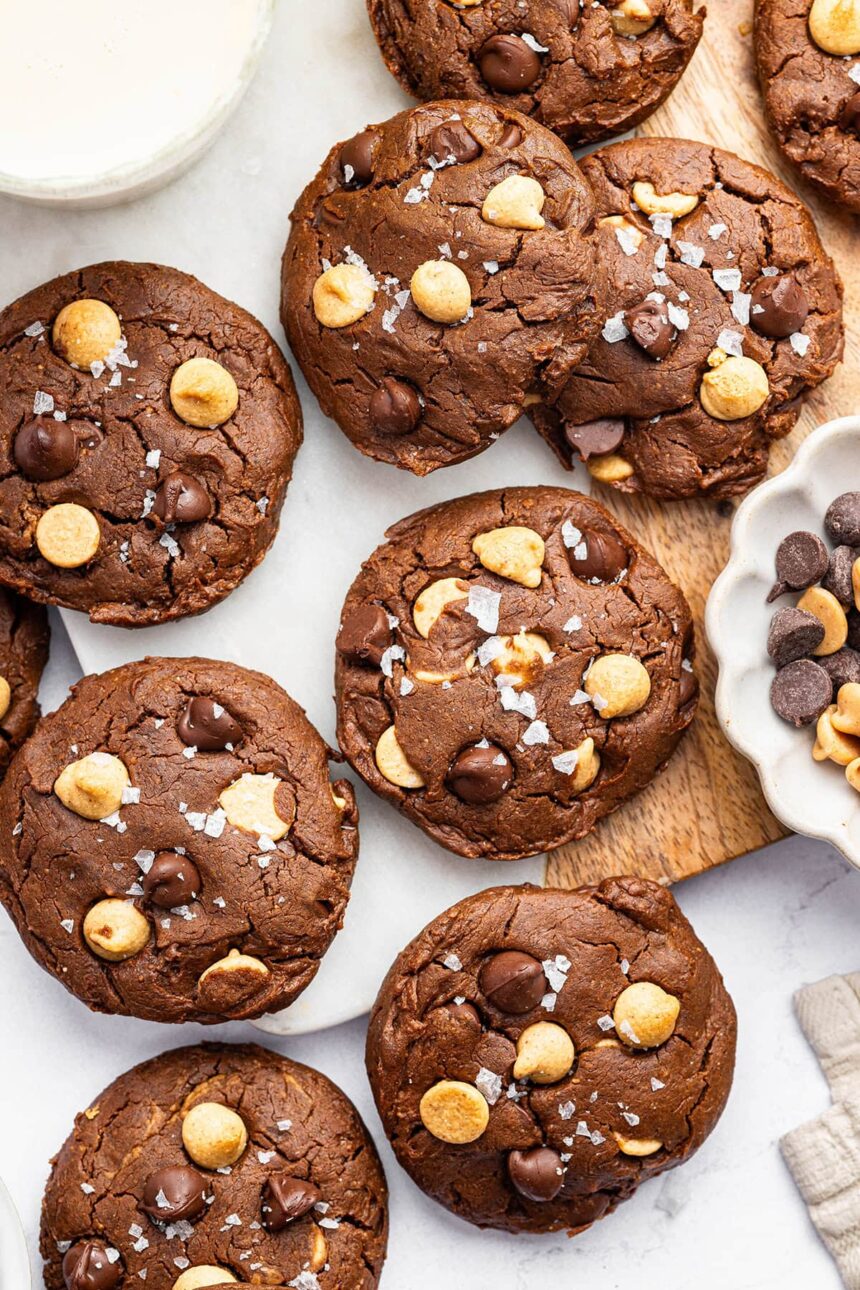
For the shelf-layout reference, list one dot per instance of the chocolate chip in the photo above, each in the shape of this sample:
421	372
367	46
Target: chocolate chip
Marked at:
649	326
853	629
513	982
800	692
464	1013
849	117
838	580
598	557
173	1194
594	438
284	1199
793	633
537	1174
689	687
365	635
208	726
181	499
508	64
452	139
779	306
86	1266
395	408
356	159
843	667
479	775
511	136
45	449
801	561
172	880
842	520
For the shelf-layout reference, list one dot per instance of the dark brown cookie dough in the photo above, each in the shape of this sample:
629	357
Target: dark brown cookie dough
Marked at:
812	95
715	322
399	216
172	847
24	639
536	1054
221	1156
585	71
512	666
162	517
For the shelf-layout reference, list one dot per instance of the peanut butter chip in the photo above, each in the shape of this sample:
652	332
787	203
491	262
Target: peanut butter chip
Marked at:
93	786
214	1135
205	1274
431	602
521	658
645	1015
637	1146
441	291
115	930
618	684
831	744
632	18
319	1250
852	774
343	294
250	804
545	1053
203	393
835	26
5	697
609	468
513	552
85	332
651	202
736	387
516	202
68	535
827	609
454	1112
232	979
393	763
846	718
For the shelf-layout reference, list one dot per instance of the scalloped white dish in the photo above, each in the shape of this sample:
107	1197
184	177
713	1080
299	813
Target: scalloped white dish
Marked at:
808	797
14	1261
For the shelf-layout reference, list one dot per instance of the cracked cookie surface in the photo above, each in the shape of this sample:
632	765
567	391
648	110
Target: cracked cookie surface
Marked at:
812	99
480	646
409	195
563	1152
685	294
115	1181
564	64
24	637
105	438
207	883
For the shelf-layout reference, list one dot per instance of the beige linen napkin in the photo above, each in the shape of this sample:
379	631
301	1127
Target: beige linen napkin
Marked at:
824	1155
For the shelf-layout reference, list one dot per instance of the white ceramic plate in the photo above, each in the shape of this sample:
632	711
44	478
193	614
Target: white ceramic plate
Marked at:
14	1263
809	797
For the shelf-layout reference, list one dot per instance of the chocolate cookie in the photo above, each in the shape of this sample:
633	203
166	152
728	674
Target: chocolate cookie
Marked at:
212	1163
808	60
173	848
535	1054
512	666
585	71
438	278
24	639
721	309
147	430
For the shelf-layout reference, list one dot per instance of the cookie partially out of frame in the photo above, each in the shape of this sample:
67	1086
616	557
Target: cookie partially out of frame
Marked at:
210	1164
535	1055
438	279
172	847
512	666
24	637
586	71
721	309
149	428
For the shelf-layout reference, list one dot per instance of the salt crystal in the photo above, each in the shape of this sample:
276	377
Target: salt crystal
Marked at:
614	328
489	1084
536	733
567	1110
556	970
691	254
717	230
170	545
579	698
35	329
392	654
731	342
727	279
799	343
406	686
661	224
42	402
571	535
627	240
67	924
452	962
483	606
605	1022
679	318
528	39
656	1084
573	624
492	266
741	301
491	648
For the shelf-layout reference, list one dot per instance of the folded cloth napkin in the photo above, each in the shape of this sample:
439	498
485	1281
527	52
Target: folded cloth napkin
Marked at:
824	1155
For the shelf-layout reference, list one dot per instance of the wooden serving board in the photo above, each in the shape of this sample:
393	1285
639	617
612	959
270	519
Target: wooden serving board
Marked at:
707	807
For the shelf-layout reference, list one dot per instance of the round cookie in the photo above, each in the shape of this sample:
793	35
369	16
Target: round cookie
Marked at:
226	1158
586	72
721	310
150	428
512	666
179	853
504	1061
808	59
438	279
24	637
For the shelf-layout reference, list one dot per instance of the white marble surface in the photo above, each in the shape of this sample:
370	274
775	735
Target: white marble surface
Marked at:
731	1218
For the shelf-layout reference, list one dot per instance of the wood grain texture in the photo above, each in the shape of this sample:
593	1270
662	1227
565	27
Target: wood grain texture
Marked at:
707	807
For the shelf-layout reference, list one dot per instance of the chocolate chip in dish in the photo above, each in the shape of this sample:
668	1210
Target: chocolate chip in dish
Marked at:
178	851
815	643
24	637
808	59
511	667
150	428
537	1054
585	71
438	279
210	1164
721	309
